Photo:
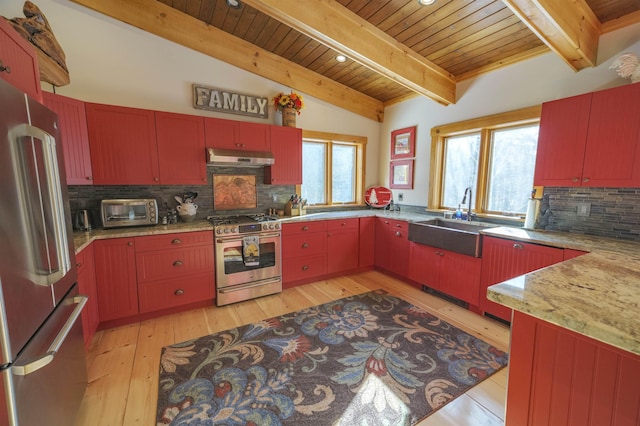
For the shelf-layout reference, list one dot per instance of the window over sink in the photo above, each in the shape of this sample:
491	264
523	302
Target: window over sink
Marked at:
494	156
332	169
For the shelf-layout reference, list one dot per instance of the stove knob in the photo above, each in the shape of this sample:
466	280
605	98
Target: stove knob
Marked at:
271	226
236	230
264	226
226	230
277	226
218	231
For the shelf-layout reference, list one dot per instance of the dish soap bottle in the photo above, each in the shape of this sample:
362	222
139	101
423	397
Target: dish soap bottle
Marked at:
459	213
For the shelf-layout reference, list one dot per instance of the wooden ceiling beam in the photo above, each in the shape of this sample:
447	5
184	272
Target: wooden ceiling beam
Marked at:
335	26
569	28
159	19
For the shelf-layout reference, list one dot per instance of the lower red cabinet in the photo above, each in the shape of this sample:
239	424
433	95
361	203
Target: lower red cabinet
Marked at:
342	245
559	377
85	265
392	246
367	242
304	251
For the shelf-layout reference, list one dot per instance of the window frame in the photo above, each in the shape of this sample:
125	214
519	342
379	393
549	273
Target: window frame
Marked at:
485	126
360	142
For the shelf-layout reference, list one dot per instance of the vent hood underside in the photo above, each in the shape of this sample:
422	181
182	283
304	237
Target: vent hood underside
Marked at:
238	158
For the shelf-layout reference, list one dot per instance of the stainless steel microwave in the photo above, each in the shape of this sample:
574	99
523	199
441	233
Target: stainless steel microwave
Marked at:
129	212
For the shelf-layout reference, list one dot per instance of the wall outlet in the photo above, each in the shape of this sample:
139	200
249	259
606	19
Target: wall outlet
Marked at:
400	196
584	209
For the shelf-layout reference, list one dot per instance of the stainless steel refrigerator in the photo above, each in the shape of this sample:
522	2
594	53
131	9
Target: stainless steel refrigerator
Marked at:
42	359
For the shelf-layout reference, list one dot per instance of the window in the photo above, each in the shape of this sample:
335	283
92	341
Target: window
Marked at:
332	169
494	156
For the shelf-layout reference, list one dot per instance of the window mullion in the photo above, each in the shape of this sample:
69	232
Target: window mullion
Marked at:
483	171
329	173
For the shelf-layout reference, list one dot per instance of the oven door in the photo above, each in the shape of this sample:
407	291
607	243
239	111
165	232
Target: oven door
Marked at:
230	265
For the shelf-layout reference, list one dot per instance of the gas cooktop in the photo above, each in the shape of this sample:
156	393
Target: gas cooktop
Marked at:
243	224
240	219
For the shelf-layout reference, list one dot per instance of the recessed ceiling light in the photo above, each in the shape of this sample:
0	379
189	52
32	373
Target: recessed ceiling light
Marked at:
234	4
426	2
341	58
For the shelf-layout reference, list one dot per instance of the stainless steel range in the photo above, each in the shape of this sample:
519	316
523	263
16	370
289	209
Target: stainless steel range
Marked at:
248	257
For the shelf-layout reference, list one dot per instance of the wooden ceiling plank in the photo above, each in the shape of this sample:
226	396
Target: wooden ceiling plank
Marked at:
163	21
513	59
624	21
569	28
345	32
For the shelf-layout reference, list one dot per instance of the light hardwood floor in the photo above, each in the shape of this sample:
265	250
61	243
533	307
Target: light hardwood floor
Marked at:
123	362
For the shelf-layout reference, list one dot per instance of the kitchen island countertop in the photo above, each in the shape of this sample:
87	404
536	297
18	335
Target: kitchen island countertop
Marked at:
596	295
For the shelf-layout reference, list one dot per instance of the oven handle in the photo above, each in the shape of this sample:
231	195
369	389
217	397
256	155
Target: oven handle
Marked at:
232	239
248	286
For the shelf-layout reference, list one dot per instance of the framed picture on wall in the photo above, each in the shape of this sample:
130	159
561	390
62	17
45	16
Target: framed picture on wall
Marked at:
403	143
401	174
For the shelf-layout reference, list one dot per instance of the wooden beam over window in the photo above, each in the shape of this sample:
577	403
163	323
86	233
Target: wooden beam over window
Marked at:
332	24
159	19
569	28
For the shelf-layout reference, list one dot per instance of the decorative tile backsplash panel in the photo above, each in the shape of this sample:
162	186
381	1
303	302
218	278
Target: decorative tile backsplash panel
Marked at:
614	212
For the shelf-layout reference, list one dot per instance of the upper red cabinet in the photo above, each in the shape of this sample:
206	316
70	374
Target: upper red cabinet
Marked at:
286	147
230	134
19	61
123	145
181	154
75	138
591	140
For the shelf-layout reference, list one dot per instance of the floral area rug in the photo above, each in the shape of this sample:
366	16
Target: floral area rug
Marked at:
370	359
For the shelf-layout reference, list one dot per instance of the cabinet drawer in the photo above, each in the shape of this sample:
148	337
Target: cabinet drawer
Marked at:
161	264
165	294
171	241
395	224
304	245
304	267
304	227
341	224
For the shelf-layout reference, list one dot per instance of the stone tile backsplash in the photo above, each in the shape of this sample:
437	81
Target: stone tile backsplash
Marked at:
269	196
614	212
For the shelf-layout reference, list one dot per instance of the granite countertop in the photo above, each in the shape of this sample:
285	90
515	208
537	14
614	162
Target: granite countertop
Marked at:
597	294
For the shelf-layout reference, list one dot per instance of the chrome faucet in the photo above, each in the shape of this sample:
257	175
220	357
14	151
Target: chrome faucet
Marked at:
464	200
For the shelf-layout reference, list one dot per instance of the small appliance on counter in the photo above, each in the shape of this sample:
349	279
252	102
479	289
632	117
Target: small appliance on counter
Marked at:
129	212
83	220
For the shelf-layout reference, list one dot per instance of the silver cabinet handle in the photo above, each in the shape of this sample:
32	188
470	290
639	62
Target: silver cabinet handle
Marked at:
179	292
47	358
398	234
176	241
518	246
178	263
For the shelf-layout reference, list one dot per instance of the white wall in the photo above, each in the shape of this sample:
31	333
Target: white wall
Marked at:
111	62
524	84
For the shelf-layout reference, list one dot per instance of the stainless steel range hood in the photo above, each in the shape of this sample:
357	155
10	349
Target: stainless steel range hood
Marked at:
237	158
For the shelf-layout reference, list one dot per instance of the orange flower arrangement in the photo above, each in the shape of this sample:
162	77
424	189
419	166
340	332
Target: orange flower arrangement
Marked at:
292	100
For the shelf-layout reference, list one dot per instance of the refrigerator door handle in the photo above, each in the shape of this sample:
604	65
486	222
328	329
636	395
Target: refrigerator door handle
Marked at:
46	358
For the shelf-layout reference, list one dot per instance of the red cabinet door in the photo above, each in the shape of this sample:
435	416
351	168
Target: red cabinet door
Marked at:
504	259
87	286
392	246
367	242
75	137
612	157
342	245
424	265
181	153
19	61
562	140
116	278
286	147
123	145
231	134
460	276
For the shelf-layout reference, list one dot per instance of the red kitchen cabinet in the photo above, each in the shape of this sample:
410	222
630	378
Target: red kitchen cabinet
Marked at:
451	273
85	265
231	134
392	246
75	137
559	377
181	149
504	259
342	245
174	270
19	61
116	285
591	140
304	252
123	145
286	147
367	243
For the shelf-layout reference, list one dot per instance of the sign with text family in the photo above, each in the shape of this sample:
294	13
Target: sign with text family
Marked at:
214	99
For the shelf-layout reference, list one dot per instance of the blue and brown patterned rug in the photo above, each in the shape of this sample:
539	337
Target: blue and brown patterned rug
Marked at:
370	359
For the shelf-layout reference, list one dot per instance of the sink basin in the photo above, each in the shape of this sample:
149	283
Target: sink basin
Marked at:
458	237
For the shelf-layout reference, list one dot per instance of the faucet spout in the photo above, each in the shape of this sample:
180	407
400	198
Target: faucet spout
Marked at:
464	200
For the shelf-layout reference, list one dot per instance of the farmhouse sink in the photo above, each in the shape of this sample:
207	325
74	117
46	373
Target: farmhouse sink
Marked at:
458	237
